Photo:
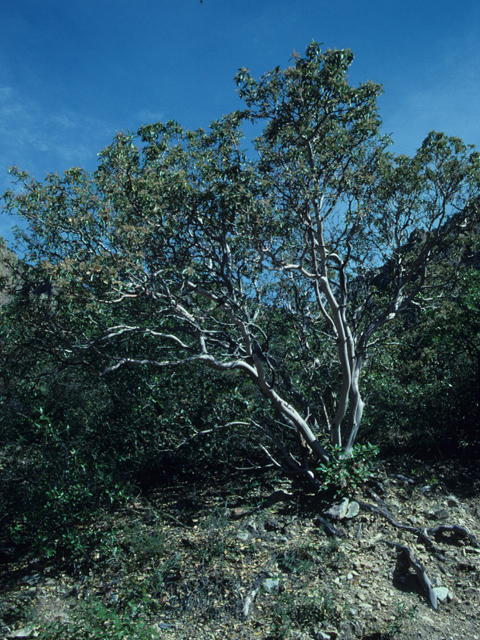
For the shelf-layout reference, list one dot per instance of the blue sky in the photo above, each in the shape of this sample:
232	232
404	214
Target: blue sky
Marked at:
73	73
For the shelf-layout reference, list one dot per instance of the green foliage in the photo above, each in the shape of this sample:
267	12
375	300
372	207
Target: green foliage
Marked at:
92	619
401	617
164	572
216	528
53	481
74	444
300	558
424	385
343	474
184	295
307	611
144	545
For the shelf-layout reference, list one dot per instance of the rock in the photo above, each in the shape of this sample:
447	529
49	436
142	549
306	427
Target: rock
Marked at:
325	634
270	584
353	510
243	535
441	593
338	511
436	581
452	501
24	632
441	514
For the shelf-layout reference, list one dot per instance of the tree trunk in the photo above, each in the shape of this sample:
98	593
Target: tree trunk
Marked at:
355	409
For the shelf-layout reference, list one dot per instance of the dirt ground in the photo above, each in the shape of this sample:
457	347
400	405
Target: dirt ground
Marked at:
251	557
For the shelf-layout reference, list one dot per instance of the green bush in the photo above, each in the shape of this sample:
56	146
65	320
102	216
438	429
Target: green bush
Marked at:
424	385
53	481
342	475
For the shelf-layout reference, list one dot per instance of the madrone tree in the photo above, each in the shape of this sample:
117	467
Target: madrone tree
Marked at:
183	248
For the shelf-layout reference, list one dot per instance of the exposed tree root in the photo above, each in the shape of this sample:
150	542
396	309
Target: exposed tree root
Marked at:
419	570
425	534
330	530
422	532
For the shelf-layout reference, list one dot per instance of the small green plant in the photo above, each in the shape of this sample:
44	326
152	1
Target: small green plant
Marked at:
282	615
95	620
166	573
342	475
300	558
216	527
144	543
400	617
304	610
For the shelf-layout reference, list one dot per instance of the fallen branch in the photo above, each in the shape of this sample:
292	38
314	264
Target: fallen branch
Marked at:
249	601
253	593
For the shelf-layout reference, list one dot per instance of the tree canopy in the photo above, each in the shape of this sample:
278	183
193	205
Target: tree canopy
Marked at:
285	267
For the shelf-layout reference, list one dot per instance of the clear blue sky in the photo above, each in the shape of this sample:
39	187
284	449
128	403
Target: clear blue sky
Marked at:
73	73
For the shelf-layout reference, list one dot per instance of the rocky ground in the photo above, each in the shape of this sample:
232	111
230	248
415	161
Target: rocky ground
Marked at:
249	558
